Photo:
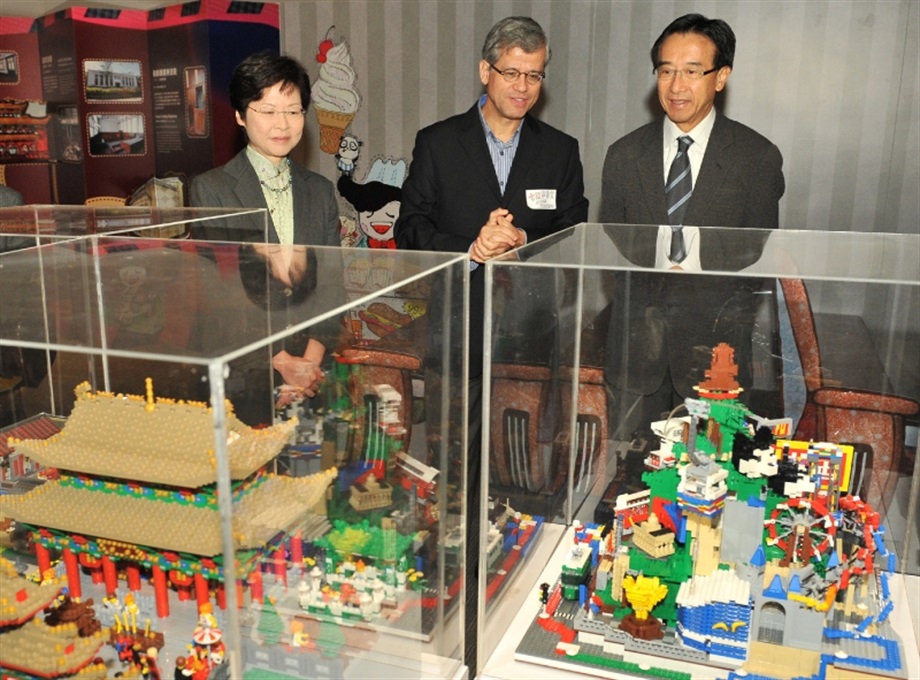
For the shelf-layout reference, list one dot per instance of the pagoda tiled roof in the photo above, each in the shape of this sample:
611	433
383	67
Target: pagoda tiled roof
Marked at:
21	599
42	651
29	645
258	515
155	441
37	427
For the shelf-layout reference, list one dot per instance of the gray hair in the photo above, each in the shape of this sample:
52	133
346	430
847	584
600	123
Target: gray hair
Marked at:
511	32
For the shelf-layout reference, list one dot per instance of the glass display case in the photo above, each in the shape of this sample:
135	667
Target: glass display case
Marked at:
207	454
707	471
29	225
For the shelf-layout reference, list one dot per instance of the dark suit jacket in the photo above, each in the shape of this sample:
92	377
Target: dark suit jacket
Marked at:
451	189
316	223
673	321
236	185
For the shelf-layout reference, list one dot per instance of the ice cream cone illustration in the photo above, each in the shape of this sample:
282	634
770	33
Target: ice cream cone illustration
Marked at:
332	126
335	98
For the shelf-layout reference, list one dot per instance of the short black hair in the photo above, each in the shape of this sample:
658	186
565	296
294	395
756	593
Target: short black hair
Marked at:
716	30
262	70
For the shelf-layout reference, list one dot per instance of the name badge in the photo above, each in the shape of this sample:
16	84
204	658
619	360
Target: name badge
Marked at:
541	199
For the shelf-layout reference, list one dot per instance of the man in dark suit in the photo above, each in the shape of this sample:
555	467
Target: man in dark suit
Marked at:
484	182
692	167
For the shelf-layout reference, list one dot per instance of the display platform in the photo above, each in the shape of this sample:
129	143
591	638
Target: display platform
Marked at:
582	332
208	469
520	649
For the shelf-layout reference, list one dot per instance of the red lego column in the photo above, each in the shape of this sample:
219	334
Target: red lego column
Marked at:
297	550
183	585
94	565
161	592
73	574
44	559
109	575
255	584
201	589
280	565
133	576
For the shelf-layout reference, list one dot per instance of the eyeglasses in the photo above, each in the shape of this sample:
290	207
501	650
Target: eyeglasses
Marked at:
512	74
272	114
690	73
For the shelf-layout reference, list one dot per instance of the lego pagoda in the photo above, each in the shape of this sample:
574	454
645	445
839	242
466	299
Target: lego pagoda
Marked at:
135	494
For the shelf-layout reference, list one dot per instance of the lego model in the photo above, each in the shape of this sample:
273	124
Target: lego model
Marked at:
320	566
749	557
54	648
510	535
643	593
15	466
142	472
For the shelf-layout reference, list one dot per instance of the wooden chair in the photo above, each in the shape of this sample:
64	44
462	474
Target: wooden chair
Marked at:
845	415
523	419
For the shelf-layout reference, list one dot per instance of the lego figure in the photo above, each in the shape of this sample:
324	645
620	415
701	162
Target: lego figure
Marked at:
216	654
299	638
544	598
129	613
206	618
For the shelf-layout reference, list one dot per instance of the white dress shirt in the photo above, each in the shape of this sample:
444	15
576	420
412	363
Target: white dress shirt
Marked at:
700	136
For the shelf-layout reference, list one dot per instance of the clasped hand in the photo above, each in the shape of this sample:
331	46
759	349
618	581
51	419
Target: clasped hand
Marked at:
498	235
302	377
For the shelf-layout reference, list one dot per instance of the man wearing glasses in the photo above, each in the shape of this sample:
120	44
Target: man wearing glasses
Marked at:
737	173
495	177
484	182
694	167
490	179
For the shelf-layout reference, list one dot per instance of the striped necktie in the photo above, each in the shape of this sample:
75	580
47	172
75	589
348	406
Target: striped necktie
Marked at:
677	193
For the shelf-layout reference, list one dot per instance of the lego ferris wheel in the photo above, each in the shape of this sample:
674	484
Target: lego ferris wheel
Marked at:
804	530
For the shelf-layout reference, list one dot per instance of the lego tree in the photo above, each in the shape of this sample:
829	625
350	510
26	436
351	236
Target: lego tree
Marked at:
330	639
270	625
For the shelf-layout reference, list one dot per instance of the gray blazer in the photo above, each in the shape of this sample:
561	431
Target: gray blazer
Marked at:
236	185
739	184
665	320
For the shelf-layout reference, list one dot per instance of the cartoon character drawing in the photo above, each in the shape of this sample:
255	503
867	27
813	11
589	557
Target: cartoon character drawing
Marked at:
348	231
376	201
347	155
